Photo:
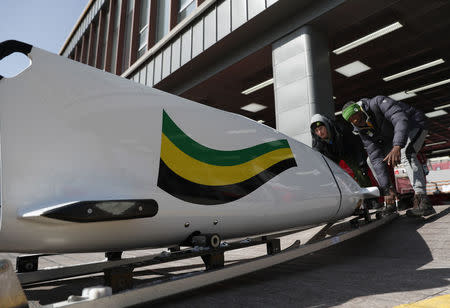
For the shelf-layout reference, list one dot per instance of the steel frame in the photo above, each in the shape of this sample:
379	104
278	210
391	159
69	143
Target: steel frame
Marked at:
215	271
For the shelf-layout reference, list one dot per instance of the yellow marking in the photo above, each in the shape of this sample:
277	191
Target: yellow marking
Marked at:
206	174
442	301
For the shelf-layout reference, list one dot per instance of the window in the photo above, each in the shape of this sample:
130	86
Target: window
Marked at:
115	36
84	47
78	52
143	27
93	43
162	18
127	36
186	7
104	38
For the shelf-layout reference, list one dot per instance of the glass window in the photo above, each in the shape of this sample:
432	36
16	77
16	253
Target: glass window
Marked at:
78	52
104	38
186	7
143	27
115	36
93	45
85	47
127	36
162	18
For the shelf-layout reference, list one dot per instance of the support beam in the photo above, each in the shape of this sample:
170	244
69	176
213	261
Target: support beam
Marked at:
302	81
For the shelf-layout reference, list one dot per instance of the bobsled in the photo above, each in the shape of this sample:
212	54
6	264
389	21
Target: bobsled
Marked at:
94	162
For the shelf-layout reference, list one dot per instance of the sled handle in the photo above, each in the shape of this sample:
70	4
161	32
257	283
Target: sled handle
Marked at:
12	46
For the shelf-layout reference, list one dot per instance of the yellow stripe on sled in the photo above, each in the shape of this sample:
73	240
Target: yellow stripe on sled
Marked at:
206	174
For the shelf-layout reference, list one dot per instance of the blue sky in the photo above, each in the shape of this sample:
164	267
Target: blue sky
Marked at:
41	23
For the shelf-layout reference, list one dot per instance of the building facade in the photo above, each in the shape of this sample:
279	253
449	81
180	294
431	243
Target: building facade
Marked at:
275	61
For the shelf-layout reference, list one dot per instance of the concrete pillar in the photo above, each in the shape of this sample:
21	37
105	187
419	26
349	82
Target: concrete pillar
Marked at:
302	81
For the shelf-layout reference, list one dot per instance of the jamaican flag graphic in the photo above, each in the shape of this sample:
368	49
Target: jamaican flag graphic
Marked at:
194	173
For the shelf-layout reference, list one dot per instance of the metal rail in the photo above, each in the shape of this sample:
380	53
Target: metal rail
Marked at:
44	275
186	282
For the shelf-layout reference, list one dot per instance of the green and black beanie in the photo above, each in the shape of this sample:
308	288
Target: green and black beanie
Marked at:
350	109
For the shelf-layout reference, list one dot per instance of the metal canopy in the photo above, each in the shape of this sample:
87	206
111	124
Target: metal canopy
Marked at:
423	38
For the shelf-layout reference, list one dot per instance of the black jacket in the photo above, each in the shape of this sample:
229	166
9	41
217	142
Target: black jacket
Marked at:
392	122
342	144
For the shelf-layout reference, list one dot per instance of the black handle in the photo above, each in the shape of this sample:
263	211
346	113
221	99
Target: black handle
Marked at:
11	46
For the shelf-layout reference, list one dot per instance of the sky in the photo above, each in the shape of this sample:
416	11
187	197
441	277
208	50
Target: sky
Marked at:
42	23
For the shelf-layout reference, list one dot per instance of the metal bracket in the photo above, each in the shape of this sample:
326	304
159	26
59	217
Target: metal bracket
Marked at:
119	278
174	248
28	263
113	255
214	260
273	246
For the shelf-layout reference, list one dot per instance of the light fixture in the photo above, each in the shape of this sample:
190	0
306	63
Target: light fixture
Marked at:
435	143
253	107
440	151
414	69
334	97
441	107
352	69
433	85
436	113
402	95
258	86
411	93
368	38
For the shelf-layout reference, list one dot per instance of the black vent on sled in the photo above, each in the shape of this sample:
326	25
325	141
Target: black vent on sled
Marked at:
107	210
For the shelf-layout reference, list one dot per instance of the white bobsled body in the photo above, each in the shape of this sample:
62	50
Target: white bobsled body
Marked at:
71	134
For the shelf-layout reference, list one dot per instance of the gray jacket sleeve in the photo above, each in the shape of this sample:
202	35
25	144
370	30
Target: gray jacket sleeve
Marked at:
397	116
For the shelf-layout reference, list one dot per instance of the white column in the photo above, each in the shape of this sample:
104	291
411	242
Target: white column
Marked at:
302	81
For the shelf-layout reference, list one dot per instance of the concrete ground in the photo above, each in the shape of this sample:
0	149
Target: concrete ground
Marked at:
405	261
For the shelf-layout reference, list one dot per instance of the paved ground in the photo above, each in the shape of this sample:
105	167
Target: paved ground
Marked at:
403	262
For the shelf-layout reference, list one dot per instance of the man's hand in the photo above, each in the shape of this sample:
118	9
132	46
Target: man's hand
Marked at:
393	158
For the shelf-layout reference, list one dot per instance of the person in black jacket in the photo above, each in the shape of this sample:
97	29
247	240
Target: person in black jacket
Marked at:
392	132
337	142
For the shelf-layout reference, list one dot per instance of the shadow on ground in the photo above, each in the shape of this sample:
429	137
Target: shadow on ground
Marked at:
383	261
